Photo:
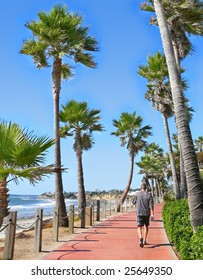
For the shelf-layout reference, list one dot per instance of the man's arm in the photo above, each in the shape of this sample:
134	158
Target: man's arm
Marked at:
151	205
134	201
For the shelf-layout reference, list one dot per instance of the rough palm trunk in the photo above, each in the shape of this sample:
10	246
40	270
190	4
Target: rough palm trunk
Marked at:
183	182
127	188
160	189
157	191
145	180
3	202
195	187
81	188
59	196
152	184
172	161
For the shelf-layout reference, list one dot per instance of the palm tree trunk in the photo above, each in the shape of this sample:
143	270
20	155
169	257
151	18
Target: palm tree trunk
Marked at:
59	196
172	161
81	188
157	190
152	184
183	182
146	180
127	188
3	202
160	190
195	187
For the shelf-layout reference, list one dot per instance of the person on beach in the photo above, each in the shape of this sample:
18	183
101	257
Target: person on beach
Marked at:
144	211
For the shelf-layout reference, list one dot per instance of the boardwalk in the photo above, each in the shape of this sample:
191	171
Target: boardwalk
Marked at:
116	239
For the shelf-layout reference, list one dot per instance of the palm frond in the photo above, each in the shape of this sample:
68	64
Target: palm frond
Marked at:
33	174
21	149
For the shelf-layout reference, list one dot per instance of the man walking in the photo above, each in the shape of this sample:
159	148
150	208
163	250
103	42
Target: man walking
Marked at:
144	209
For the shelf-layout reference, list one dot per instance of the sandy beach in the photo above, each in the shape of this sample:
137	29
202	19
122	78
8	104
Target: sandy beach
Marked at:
24	241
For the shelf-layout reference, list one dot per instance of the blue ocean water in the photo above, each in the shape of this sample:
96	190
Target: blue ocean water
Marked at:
26	205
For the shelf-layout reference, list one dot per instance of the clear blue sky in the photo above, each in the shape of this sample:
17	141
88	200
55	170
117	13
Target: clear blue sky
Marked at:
125	39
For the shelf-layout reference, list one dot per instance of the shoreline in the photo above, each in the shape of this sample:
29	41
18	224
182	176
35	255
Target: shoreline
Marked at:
27	223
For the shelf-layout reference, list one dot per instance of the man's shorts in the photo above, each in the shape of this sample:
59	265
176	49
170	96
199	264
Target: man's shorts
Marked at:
142	220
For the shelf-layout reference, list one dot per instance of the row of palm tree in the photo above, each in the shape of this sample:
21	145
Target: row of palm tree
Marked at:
159	94
59	39
80	123
176	21
22	153
153	165
60	36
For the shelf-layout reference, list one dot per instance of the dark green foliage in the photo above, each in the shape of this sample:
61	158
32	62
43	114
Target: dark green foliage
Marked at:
178	227
197	245
169	195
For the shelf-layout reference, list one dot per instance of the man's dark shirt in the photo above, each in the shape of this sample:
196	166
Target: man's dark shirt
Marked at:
144	203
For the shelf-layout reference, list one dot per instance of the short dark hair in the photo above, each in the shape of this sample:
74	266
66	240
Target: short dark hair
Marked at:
143	186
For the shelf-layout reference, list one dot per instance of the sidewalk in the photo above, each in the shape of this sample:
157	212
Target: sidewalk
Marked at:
116	239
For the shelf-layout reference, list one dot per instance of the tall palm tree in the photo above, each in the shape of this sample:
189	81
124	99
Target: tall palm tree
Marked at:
159	94
132	134
80	122
22	154
59	36
195	187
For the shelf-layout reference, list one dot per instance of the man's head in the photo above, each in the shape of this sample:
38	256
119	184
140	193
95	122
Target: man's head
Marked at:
144	187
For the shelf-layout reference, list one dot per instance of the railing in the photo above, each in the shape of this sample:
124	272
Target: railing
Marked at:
95	210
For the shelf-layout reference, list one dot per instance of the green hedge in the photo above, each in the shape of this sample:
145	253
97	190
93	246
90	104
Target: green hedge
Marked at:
177	225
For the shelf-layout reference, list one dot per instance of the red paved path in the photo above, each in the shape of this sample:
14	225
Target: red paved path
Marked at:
117	239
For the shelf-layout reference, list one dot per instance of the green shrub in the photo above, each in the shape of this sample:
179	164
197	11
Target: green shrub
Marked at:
177	225
197	245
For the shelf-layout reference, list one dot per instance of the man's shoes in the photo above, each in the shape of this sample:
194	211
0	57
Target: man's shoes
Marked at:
141	243
145	243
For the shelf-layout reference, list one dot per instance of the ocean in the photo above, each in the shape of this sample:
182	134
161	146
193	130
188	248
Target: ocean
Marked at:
26	205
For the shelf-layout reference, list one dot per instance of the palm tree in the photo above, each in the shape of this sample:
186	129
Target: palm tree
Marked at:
22	154
80	122
132	134
195	188
199	144
159	94
60	36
